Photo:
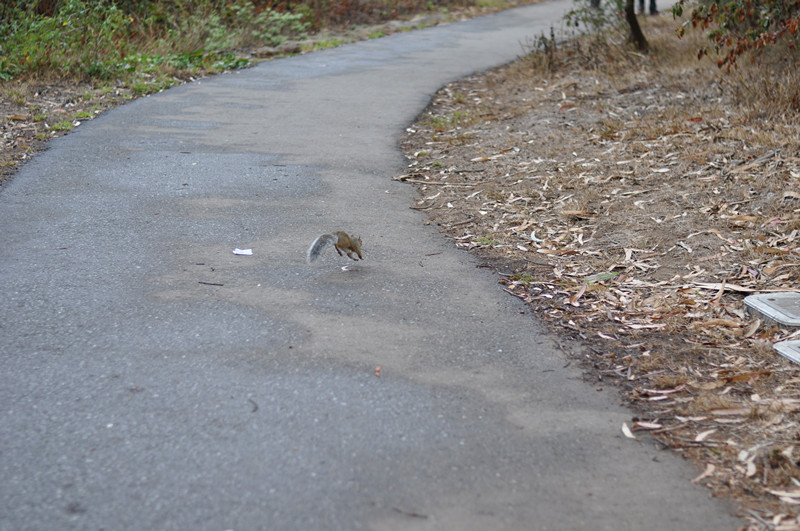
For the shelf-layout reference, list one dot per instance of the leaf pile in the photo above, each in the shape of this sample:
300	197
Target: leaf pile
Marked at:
636	211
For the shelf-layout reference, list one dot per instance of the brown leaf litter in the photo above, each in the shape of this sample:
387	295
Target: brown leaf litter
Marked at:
633	207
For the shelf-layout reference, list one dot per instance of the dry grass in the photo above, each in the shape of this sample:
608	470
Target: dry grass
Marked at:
633	201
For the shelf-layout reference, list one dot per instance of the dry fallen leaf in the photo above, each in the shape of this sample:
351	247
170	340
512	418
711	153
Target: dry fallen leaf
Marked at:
752	329
751	468
731	411
704	435
627	431
718	322
574	299
786	493
706	473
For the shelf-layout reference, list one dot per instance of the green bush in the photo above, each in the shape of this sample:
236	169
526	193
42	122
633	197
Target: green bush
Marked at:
83	39
202	25
107	39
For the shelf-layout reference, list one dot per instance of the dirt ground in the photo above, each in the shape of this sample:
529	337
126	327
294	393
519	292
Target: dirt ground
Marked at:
633	202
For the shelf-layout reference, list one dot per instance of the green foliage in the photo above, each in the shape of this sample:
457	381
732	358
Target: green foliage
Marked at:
111	39
270	27
65	125
229	61
205	25
522	278
16	96
83	40
332	13
327	43
599	278
444	123
737	27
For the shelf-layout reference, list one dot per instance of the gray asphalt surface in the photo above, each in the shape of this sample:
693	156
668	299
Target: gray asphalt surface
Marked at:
151	379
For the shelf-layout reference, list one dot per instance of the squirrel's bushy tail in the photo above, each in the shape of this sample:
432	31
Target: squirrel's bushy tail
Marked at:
319	245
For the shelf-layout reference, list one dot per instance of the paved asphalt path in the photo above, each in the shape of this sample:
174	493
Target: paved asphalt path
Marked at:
151	379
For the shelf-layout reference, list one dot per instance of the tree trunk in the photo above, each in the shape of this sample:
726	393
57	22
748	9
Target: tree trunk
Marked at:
636	32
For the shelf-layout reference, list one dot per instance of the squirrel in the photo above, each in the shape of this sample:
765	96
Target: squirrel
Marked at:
341	242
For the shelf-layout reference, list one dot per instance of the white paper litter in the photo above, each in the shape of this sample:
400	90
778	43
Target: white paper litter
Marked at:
246	252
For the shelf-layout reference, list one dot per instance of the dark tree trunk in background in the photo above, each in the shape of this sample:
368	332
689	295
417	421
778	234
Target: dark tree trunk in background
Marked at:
636	31
46	7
